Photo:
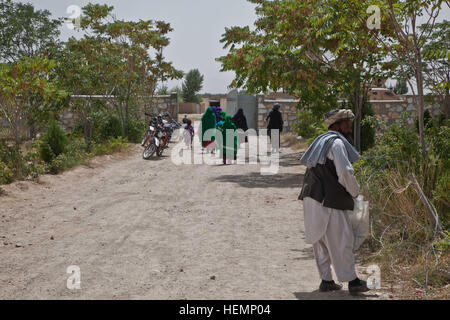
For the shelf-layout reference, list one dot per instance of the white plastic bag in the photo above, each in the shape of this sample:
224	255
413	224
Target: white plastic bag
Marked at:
360	221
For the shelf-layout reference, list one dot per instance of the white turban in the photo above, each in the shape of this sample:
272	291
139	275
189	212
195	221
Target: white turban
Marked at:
338	115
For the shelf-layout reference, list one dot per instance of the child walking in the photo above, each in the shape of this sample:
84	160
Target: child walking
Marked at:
188	134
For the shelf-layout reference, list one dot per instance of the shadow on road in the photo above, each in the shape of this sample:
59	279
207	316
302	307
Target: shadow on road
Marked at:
290	159
257	180
307	253
334	295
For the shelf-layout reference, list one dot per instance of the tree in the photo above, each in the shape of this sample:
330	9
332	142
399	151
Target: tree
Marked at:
401	87
121	60
193	83
179	93
405	41
137	51
436	64
163	90
19	81
83	65
312	49
25	32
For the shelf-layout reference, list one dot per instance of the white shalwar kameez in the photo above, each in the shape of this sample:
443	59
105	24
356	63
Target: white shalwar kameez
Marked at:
329	230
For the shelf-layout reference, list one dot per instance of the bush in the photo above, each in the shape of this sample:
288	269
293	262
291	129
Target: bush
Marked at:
111	128
308	126
136	129
6	174
53	143
401	229
75	154
12	158
367	130
110	146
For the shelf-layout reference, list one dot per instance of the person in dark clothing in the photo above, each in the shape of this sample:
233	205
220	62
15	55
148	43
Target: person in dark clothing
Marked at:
275	118
185	119
240	121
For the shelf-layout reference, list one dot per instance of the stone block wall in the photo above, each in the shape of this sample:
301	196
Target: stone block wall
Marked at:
288	109
391	110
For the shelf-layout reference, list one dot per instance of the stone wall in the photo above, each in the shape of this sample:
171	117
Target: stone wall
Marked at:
160	104
391	110
288	109
388	110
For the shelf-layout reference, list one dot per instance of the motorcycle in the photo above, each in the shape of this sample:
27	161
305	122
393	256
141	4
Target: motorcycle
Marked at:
171	125
155	139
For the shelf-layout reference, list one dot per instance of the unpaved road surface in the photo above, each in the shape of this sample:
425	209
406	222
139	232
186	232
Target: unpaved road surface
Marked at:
153	230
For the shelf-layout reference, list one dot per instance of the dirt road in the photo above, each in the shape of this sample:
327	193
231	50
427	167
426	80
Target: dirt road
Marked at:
153	230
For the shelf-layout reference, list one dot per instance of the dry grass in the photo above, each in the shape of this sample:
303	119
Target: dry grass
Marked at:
403	241
290	140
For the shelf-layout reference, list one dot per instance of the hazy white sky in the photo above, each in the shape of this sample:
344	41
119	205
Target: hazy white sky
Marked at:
198	26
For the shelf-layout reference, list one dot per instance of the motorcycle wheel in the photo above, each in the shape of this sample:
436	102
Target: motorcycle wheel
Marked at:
161	148
149	151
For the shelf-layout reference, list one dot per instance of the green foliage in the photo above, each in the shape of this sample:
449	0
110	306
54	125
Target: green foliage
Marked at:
192	84
6	174
20	83
368	131
383	172
75	154
14	166
444	243
436	53
25	31
308	125
13	162
136	129
53	143
401	87
110	146
163	90
112	128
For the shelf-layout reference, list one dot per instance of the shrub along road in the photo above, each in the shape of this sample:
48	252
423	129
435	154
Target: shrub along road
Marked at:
153	230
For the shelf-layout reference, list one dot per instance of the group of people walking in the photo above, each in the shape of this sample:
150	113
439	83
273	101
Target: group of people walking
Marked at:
214	122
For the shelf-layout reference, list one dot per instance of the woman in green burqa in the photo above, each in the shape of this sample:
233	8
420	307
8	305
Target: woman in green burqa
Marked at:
229	148
208	122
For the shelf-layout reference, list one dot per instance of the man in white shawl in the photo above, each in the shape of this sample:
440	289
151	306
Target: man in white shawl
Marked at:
328	193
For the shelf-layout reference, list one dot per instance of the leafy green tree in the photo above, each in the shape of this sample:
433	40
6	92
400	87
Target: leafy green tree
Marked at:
53	143
401	87
82	69
25	32
163	90
19	82
315	50
193	83
134	51
121	60
404	35
436	64
178	91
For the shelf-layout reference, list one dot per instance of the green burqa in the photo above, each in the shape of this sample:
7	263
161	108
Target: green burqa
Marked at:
208	122
229	147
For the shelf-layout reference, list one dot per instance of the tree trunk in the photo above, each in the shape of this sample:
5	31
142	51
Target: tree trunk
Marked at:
420	100
125	127
357	123
447	104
